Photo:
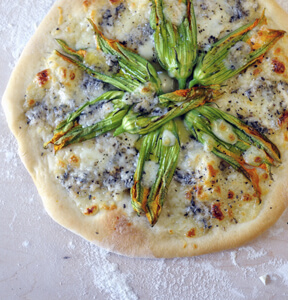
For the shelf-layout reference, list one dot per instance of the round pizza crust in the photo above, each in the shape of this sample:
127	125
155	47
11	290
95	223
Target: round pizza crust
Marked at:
111	230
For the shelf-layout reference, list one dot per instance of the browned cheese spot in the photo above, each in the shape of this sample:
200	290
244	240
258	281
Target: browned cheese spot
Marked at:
212	171
230	195
43	77
217	189
199	190
74	159
64	73
31	103
91	210
278	66
72	76
232	138
258	160
86	3
111	207
277	51
246	197
257	71
216	211
115	1
191	233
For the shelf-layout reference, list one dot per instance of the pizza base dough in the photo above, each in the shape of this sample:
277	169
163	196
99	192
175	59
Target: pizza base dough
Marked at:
111	230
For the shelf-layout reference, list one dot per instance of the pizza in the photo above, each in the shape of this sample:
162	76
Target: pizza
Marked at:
156	128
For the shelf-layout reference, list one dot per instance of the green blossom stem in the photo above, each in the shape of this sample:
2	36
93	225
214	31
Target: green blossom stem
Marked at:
130	62
119	80
200	122
151	200
136	123
176	45
235	52
70	132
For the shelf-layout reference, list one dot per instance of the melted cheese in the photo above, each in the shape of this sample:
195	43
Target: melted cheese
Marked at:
174	13
254	156
147	49
149	175
168	138
224	131
97	174
168	83
209	142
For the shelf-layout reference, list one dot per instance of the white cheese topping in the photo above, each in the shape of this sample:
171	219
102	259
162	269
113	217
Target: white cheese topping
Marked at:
168	138
209	142
174	13
224	131
146	50
150	172
168	83
135	6
254	156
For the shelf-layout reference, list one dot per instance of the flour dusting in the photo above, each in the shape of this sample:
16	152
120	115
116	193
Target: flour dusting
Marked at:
253	254
25	244
283	273
106	275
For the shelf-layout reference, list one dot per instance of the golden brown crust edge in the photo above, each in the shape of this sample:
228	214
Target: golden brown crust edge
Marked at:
111	230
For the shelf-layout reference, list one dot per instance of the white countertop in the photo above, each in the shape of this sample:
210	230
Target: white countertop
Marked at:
41	260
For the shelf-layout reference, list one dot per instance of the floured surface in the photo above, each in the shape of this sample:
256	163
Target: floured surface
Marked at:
36	262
